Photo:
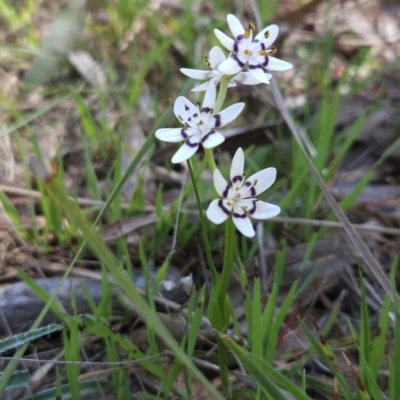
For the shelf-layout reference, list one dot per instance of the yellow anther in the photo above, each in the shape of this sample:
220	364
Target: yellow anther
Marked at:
272	50
251	26
255	182
267	34
262	53
246	34
247	52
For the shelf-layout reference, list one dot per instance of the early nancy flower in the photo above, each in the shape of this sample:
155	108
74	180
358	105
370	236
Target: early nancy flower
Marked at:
238	197
199	125
244	50
215	58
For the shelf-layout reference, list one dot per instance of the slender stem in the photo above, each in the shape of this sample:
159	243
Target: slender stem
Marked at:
214	276
223	88
228	261
223	362
210	160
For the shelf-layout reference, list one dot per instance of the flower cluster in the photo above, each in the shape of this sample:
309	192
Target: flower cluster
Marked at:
247	63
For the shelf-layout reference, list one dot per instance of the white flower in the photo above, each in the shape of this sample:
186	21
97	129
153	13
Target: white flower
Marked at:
244	50
238	197
198	125
215	58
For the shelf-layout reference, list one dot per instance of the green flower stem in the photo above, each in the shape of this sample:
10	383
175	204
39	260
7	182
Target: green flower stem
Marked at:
228	262
210	160
214	275
223	88
223	362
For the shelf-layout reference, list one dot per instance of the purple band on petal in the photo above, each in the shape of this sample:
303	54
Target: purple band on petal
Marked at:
222	207
225	192
236	215
266	61
237	178
190	144
206	136
253	66
253	209
206	110
184	134
235	47
237	59
217	118
195	115
240	37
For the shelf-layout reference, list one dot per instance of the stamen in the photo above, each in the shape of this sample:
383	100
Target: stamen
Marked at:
272	50
251	26
247	52
255	182
267	34
262	53
207	62
246	34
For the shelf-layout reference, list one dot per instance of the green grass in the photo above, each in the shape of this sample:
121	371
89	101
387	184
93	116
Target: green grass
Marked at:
148	71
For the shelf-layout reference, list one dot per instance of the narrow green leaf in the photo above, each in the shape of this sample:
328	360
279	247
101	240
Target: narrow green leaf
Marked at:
20	339
18	378
329	359
260	370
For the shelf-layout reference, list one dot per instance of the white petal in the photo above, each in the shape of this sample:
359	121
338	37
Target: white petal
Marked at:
237	168
264	210
225	40
219	210
220	184
196	73
209	98
228	115
204	86
246	78
184	153
274	64
235	26
260	75
259	182
212	139
184	109
171	135
231	66
273	34
243	224
215	57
